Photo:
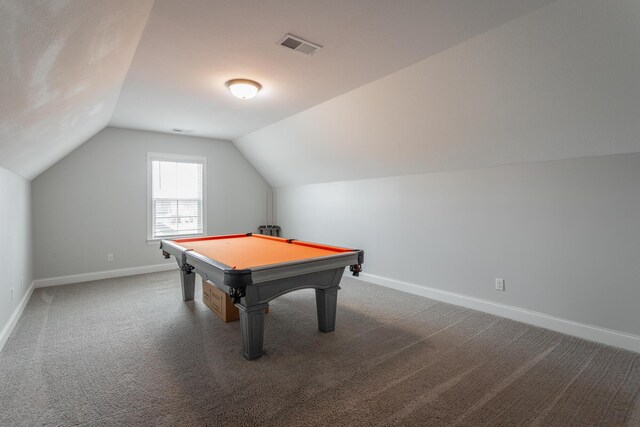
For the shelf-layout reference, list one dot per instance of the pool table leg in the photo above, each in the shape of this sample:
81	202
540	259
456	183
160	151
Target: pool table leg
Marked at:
188	279
252	326
326	301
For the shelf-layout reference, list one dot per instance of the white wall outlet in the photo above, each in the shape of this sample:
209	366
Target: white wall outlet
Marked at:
109	257
499	284
21	282
13	294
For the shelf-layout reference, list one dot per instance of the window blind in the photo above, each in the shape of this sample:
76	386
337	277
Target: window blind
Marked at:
177	202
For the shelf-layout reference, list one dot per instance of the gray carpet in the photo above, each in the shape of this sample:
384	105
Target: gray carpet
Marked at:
128	351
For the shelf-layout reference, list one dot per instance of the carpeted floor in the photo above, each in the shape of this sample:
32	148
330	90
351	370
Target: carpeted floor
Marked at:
128	351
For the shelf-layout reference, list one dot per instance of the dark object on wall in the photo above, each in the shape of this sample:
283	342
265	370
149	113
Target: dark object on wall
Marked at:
269	230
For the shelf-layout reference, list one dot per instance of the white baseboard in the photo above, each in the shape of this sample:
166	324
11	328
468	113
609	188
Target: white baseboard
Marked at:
569	327
13	320
582	330
99	275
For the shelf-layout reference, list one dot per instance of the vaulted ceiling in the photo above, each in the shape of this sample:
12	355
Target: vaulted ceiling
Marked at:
62	64
558	83
69	68
187	53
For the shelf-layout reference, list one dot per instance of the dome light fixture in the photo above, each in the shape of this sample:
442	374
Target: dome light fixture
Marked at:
243	88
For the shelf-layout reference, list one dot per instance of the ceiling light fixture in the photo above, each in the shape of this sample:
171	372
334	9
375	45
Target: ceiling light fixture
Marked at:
243	88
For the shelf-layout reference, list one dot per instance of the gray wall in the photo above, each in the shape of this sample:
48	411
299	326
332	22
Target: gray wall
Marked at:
565	235
15	241
94	201
558	83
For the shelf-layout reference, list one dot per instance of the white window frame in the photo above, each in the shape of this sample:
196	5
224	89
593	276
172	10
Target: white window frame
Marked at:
174	158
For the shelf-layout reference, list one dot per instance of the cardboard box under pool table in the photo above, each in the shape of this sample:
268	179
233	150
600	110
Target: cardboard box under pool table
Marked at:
220	303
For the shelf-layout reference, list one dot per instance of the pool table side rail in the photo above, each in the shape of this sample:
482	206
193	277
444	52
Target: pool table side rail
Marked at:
270	272
337	249
180	253
223	274
218	273
169	248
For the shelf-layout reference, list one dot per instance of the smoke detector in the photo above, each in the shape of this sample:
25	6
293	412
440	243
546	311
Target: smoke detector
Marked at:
299	45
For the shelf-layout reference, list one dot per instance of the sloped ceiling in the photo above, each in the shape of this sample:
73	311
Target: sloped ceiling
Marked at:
558	83
63	62
62	65
190	49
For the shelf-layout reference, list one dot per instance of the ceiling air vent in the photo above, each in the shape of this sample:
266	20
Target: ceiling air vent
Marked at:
177	130
299	45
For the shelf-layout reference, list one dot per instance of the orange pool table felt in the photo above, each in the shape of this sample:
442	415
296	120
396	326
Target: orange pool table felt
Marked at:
242	251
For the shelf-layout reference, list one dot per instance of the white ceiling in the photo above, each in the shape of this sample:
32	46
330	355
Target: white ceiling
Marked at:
190	49
504	81
561	82
62	64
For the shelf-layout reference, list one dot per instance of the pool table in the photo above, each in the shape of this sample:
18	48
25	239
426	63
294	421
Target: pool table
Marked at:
254	269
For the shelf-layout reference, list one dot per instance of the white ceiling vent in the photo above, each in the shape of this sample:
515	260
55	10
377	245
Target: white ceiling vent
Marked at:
299	45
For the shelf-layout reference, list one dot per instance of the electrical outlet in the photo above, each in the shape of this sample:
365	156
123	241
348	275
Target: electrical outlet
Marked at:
109	257
499	284
13	294
21	282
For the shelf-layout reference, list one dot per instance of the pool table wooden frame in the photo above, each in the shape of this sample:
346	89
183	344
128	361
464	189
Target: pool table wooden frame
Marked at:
253	288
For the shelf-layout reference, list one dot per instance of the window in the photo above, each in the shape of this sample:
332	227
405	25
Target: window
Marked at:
176	196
